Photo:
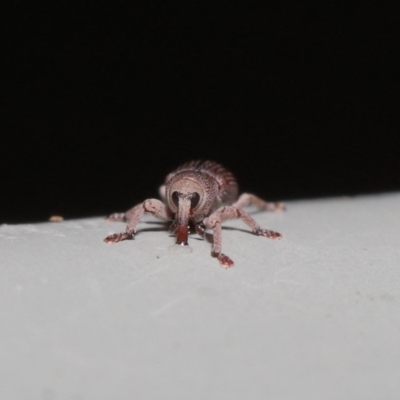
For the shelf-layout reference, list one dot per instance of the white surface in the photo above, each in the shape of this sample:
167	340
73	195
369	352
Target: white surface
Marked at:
313	316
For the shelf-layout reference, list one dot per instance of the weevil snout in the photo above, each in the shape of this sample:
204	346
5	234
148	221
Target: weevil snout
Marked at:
185	203
185	197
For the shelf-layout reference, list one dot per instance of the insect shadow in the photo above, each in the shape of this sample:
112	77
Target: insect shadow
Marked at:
162	227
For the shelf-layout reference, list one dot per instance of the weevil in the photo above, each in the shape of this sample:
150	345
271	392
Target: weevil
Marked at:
201	193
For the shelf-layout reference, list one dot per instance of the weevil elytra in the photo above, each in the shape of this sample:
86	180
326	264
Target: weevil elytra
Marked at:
202	193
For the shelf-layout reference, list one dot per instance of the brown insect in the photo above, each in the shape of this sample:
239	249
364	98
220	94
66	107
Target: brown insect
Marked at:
204	194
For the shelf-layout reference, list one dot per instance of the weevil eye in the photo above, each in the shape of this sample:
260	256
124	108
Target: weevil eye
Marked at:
175	198
194	200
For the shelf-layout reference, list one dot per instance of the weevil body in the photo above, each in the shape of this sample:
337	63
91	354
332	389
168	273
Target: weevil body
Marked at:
204	194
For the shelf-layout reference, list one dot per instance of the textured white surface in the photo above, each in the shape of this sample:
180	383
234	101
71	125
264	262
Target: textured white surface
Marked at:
313	316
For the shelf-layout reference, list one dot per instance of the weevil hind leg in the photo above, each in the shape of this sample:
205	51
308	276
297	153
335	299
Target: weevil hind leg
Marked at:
248	199
153	206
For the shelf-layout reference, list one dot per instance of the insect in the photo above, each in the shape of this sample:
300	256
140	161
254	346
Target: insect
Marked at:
201	193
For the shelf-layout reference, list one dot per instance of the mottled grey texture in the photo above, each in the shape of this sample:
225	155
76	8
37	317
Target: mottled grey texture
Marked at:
313	316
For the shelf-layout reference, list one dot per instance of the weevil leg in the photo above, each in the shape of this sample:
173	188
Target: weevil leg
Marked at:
247	199
135	214
215	220
201	231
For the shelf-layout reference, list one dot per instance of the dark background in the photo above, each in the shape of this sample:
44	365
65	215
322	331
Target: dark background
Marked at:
103	99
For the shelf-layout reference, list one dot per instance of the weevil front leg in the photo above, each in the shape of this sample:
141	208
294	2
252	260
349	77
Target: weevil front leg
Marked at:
215	220
247	199
134	215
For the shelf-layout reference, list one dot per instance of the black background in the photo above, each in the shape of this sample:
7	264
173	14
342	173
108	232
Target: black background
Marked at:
103	99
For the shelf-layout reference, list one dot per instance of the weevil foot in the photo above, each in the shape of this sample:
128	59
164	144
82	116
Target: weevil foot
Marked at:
118	237
224	260
268	234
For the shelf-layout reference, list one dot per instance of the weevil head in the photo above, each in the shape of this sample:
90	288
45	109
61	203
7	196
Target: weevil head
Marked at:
188	198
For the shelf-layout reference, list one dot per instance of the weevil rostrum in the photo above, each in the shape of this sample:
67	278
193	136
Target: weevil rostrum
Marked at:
202	194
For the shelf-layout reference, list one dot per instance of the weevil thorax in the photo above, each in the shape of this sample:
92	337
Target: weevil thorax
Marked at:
194	191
